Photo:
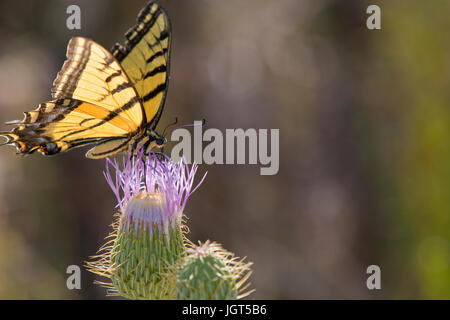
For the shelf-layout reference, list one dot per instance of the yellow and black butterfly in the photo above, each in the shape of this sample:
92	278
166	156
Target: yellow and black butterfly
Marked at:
111	99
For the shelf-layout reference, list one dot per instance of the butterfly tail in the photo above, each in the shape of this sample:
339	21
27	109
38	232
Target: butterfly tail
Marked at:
11	138
7	138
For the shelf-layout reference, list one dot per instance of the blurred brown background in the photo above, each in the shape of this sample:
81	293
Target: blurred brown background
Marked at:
364	154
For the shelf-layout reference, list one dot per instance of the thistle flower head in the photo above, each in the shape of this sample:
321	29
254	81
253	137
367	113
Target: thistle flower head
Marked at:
148	237
209	272
151	191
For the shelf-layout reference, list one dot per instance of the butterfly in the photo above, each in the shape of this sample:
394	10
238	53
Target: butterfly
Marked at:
110	99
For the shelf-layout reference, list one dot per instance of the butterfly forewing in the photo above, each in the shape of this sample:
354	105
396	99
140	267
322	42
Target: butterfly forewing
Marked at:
91	74
145	58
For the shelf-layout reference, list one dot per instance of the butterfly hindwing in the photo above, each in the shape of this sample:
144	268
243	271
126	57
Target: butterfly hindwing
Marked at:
108	148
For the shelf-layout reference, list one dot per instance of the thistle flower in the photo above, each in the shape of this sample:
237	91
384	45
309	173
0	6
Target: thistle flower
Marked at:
148	237
211	273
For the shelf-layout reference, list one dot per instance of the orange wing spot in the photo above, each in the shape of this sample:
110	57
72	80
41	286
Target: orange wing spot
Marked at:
102	113
21	145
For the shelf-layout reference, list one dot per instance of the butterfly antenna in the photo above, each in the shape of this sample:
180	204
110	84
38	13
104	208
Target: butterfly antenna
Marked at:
170	125
184	126
194	125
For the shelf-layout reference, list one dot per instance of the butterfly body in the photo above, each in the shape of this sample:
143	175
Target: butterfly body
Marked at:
110	99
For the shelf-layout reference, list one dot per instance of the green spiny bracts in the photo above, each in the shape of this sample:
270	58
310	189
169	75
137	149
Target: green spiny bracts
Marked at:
148	238
141	254
140	259
211	273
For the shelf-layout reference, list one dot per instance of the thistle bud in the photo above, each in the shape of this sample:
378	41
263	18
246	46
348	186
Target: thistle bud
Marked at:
209	272
148	237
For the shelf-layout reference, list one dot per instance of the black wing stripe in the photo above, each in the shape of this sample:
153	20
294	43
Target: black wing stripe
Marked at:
156	55
115	74
155	92
151	73
121	87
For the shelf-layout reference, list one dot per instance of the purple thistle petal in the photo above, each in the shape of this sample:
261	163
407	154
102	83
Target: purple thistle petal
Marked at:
174	181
